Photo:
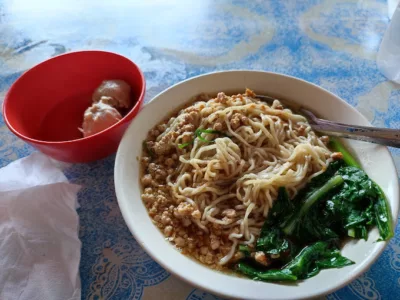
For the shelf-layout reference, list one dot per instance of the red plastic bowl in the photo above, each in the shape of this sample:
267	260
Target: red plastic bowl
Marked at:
45	106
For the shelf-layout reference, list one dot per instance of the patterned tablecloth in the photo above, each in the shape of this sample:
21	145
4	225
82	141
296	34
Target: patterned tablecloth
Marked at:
330	43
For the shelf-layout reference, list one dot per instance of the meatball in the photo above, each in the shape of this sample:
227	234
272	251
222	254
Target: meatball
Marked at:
116	93
99	117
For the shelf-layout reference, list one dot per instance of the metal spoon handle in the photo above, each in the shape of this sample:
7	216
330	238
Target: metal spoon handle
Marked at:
383	136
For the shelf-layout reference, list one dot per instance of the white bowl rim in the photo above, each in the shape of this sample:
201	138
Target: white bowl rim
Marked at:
361	267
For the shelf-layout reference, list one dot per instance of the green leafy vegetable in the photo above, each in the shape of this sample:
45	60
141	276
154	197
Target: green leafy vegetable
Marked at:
198	132
335	261
319	222
316	195
359	204
281	208
317	182
316	226
315	257
306	264
383	216
358	232
271	239
273	242
269	275
245	250
337	146
181	146
357	186
351	209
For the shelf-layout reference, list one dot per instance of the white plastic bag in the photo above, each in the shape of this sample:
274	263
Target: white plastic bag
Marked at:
388	60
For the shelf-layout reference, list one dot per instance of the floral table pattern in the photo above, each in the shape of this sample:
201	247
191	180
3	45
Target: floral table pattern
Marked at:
330	43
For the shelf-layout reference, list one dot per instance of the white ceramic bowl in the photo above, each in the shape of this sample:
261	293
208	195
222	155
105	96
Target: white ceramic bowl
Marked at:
376	161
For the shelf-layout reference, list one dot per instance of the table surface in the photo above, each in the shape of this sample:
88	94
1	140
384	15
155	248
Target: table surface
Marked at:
330	43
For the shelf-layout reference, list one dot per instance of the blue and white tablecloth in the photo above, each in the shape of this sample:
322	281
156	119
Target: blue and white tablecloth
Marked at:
330	43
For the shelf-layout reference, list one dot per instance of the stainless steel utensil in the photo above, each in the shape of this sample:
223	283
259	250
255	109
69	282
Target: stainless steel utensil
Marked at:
383	136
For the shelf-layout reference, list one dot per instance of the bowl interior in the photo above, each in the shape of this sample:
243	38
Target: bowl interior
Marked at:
381	169
47	102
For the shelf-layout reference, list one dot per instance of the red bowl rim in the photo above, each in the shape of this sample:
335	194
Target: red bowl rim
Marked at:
41	142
